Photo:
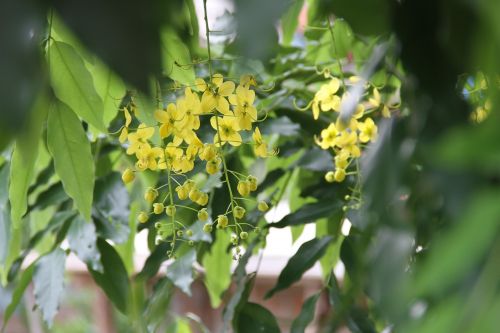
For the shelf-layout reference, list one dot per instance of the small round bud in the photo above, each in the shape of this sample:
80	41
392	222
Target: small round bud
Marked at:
203	199
330	176
180	233
345	208
158	225
252	181
212	166
222	221
128	176
243	235
170	210
347	197
207	228
339	175
203	214
243	188
194	194
150	195
239	212
262	206
182	192
189	233
143	217
158	208
189	185
191	243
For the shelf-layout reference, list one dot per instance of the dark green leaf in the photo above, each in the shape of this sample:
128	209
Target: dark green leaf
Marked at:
48	281
82	241
306	256
73	160
180	272
308	213
316	160
256	318
111	208
306	315
158	303
114	279
154	261
53	195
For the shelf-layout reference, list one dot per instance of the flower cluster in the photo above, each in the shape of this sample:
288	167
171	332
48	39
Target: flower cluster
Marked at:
347	138
229	110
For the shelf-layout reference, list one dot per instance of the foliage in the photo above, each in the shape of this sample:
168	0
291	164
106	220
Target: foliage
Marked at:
379	122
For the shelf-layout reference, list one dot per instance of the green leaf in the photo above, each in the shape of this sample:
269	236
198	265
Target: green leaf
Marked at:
73	161
330	227
154	261
315	159
54	195
114	279
18	293
23	162
111	208
110	88
48	281
308	213
256	318
306	256
73	84
306	315
158	302
445	264
217	265
176	58
290	21
180	272
82	241
343	37
282	125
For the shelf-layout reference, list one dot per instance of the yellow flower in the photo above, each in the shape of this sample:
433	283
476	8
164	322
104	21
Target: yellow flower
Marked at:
227	130
208	152
123	135
260	148
342	159
368	131
248	80
169	119
215	93
171	157
139	138
328	137
190	109
347	142
147	156
326	99
244	111
376	102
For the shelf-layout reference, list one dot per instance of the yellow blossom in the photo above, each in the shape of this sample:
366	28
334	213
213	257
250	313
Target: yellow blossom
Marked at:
227	130
215	93
244	110
169	119
328	137
260	147
368	131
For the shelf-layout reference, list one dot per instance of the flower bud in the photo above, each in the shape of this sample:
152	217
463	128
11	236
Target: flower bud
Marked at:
143	217
128	176
262	206
243	188
150	195
222	221
180	233
189	233
239	212
252	181
330	176
203	214
194	194
189	185
212	166
207	228
158	208
182	192
243	235
203	199
170	210
339	175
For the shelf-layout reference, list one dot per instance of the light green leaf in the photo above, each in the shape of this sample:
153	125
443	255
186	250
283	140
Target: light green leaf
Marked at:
110	88
306	256
290	21
217	265
23	162
181	271
73	84
73	161
82	241
48	281
176	58
306	315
